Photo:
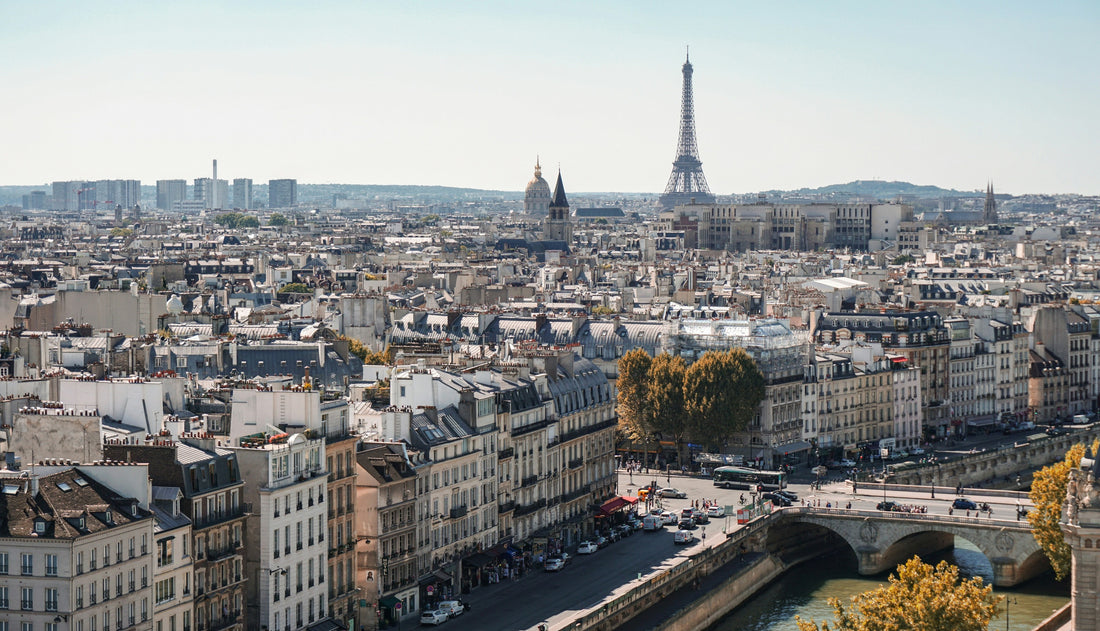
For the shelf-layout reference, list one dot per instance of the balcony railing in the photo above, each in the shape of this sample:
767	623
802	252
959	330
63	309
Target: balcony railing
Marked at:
504	507
458	511
584	431
506	453
525	509
223	516
576	463
224	622
529	481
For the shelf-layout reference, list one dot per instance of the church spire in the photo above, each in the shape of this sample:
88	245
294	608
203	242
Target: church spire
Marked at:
538	167
559	194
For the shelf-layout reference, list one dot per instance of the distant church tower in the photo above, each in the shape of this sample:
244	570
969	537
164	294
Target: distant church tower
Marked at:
989	215
536	200
558	225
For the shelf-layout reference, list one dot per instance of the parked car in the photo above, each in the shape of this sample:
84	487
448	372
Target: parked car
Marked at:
716	511
687	523
554	564
962	503
791	495
587	547
564	556
673	493
602	541
625	530
849	464
778	500
683	536
452	608
434	617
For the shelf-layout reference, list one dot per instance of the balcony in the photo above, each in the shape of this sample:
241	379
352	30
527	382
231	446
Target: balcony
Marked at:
458	511
223	516
590	429
504	507
224	622
576	463
504	454
525	509
529	481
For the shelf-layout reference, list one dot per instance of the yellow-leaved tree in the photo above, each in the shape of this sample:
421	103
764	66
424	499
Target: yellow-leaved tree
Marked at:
917	597
1048	494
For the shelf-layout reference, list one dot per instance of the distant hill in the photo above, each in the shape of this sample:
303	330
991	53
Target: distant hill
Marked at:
880	189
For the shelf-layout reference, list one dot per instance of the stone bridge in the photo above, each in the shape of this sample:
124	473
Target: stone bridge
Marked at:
882	540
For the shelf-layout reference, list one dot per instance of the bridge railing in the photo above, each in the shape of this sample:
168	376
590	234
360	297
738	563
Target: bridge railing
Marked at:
926	517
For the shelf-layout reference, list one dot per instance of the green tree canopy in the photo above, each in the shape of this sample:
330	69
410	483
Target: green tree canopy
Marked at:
918	597
722	391
295	288
277	219
1048	494
236	220
369	357
632	385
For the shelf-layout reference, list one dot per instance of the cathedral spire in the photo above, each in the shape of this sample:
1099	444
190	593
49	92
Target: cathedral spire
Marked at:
559	194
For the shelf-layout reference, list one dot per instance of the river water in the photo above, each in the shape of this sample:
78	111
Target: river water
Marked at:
805	591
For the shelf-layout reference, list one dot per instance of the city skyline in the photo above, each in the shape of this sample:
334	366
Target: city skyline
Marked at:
785	97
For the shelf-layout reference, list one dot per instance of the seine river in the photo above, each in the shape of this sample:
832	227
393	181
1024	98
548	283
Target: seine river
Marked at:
805	592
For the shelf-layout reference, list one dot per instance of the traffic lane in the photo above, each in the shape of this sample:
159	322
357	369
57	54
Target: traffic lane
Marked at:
839	497
558	597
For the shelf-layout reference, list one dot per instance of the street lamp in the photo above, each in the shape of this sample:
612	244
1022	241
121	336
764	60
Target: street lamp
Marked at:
1009	600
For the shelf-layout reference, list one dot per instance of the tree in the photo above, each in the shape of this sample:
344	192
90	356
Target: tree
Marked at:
248	221
369	357
633	388
277	219
295	288
600	310
665	399
917	597
1048	494
721	394
121	232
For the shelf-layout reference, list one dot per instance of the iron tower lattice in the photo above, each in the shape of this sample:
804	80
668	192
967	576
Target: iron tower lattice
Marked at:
687	181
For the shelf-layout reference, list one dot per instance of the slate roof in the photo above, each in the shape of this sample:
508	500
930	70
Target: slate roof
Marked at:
60	502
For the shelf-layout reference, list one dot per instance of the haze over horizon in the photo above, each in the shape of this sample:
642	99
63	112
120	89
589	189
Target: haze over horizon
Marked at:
786	97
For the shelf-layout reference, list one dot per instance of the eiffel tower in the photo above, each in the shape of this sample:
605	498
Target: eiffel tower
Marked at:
687	181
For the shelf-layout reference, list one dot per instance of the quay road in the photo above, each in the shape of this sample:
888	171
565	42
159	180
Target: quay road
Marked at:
558	598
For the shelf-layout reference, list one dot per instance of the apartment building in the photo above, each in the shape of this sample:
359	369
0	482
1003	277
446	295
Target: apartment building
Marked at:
77	548
387	539
173	592
208	478
286	486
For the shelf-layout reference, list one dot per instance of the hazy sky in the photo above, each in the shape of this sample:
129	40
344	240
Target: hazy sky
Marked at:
787	94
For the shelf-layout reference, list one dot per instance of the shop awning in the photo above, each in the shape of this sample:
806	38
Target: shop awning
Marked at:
389	602
442	576
612	505
631	499
327	625
981	421
790	448
478	560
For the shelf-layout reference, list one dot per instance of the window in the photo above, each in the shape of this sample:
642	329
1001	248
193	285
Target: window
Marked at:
27	602
164	552
27	564
51	599
3	562
51	565
3	597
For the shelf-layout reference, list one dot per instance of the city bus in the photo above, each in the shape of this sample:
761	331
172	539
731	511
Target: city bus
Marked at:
742	478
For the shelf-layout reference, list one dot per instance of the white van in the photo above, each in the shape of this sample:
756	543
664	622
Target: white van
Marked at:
1079	419
652	523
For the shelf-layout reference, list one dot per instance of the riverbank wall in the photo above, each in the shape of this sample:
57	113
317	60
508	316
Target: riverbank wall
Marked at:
1029	452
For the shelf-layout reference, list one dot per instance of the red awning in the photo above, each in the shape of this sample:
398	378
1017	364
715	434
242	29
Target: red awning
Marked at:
612	505
631	499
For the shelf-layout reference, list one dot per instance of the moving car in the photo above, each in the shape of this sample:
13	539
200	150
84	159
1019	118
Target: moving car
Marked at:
652	523
683	536
434	617
554	564
671	492
686	523
587	547
962	503
668	518
791	495
716	511
700	516
452	608
886	506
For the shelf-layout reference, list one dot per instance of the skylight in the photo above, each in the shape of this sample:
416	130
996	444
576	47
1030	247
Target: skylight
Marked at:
64	486
11	489
80	481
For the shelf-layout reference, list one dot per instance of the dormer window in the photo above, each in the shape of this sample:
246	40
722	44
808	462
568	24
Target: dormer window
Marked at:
107	517
40	526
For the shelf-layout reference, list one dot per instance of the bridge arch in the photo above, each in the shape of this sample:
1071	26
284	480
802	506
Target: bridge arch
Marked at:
882	540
